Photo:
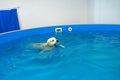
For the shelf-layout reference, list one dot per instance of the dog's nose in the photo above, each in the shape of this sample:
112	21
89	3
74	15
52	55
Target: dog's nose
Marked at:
57	40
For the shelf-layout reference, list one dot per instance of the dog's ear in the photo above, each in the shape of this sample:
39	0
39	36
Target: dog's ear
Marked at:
48	43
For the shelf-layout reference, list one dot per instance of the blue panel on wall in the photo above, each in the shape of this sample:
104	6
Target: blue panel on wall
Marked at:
8	20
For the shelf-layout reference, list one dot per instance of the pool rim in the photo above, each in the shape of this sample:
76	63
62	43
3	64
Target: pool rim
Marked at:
7	36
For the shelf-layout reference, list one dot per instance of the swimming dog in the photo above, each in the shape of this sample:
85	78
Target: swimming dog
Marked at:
50	44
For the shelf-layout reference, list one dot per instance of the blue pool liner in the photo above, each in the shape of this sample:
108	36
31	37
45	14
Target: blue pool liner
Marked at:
5	37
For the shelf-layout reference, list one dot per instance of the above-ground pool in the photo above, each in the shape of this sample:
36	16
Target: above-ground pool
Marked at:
92	52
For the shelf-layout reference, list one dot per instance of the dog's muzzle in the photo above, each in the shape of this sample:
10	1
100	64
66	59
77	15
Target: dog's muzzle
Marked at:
58	40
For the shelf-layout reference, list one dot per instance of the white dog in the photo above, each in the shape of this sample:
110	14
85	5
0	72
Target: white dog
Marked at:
50	44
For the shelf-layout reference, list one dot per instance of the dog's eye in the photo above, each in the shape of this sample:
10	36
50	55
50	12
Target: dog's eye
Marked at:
52	40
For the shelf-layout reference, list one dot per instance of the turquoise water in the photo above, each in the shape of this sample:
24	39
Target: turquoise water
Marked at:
87	56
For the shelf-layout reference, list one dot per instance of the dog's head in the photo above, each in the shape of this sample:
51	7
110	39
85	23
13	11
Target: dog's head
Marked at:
52	41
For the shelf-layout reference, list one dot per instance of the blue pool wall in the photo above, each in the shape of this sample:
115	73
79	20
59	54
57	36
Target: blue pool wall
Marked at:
51	29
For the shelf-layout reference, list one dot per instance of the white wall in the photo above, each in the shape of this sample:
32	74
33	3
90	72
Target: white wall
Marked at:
5	4
35	13
39	13
90	11
107	11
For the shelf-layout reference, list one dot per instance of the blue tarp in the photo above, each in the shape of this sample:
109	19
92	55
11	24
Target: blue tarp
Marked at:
8	20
